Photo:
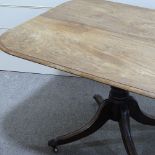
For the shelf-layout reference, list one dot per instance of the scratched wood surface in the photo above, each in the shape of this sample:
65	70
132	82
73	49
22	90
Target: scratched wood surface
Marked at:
104	41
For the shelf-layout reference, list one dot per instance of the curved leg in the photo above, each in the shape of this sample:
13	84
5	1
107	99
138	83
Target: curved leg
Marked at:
124	124
138	115
99	119
99	100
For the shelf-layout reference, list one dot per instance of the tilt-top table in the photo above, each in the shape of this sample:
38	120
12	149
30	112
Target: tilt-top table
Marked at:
103	41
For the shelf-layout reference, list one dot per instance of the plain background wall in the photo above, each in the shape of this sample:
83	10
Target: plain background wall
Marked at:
11	16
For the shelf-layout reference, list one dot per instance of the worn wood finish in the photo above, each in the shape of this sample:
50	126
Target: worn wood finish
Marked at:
104	41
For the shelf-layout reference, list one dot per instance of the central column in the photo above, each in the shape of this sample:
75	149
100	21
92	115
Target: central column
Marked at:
118	94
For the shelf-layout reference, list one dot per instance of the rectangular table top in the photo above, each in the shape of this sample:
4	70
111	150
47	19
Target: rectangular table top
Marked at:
104	41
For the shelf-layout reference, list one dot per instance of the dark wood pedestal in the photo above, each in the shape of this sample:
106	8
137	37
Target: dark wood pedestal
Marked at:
120	106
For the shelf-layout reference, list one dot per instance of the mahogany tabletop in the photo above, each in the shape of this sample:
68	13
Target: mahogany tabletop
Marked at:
108	42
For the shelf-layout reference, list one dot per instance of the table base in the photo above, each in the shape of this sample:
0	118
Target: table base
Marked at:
120	106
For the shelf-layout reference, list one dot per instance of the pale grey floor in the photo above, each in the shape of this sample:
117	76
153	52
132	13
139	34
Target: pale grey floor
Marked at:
34	108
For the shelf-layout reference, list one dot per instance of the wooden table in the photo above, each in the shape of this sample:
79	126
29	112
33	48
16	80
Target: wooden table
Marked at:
104	41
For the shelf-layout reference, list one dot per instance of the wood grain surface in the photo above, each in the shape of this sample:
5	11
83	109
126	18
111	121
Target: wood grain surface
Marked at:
104	41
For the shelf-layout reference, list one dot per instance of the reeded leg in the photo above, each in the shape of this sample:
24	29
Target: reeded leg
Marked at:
99	119
138	115
118	107
124	124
